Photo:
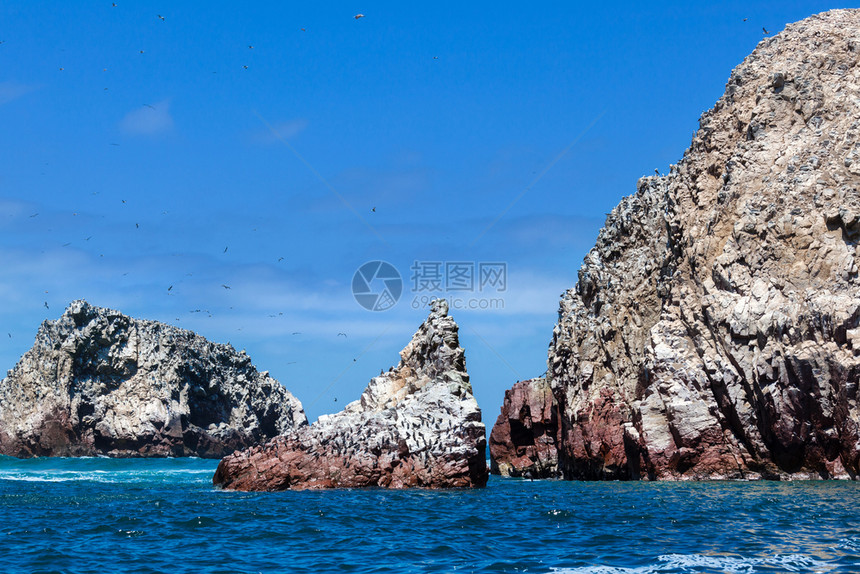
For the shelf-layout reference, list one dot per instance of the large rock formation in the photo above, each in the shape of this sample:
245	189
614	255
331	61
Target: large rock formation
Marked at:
416	425
97	382
713	332
525	439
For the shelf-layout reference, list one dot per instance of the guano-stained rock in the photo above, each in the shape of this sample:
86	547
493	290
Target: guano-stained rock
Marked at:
97	382
416	425
713	332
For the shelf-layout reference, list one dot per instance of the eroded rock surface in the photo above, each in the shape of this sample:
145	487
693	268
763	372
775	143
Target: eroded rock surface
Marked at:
97	382
525	438
416	425
713	332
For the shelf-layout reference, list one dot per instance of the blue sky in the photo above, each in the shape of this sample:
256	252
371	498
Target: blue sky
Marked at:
306	142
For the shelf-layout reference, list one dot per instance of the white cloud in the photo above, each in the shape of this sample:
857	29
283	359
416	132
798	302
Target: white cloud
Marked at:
13	90
276	132
149	119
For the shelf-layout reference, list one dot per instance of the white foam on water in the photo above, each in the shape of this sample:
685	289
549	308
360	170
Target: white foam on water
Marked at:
701	563
105	476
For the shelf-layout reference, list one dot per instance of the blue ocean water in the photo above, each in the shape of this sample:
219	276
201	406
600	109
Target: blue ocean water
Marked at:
105	515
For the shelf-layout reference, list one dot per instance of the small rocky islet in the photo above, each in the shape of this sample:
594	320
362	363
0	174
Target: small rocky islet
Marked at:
713	333
99	383
417	425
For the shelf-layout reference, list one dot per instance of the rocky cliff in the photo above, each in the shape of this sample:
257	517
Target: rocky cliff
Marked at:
713	332
416	425
97	382
525	439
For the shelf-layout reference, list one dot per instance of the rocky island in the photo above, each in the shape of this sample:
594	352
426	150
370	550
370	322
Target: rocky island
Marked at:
713	332
99	383
416	425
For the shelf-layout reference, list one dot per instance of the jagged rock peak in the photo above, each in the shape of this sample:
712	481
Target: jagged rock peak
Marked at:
417	425
713	332
97	382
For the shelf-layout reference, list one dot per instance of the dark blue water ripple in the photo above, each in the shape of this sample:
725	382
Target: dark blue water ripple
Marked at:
96	515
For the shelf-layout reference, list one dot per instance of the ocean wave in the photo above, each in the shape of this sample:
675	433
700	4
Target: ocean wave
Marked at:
692	563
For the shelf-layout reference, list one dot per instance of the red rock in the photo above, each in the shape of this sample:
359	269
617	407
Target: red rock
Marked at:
524	441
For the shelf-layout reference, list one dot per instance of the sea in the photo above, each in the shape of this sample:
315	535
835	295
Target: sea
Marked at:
163	515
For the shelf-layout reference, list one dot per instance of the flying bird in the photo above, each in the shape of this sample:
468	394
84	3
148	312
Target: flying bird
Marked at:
137	225
225	286
357	16
225	249
46	305
169	288
339	334
745	19
280	259
245	67
10	335
149	106
297	333
373	210
250	47
160	17
763	29
141	51
303	30
114	4
34	215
